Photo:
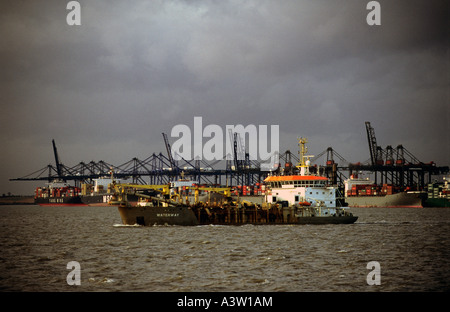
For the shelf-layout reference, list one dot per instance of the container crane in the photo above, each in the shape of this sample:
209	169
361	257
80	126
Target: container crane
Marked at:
376	152
58	164
169	151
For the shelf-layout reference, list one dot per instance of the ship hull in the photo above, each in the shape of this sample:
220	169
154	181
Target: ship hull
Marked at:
187	216
100	200
437	202
398	200
96	200
150	216
60	201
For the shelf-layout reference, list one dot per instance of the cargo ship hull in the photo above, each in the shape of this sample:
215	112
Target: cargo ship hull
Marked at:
398	200
149	216
59	201
437	203
58	193
188	216
96	200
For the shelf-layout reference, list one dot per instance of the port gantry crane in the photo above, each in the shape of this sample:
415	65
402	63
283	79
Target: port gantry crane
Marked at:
158	168
407	171
397	166
169	151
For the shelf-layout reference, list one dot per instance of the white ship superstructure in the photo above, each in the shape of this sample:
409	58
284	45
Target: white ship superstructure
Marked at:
303	188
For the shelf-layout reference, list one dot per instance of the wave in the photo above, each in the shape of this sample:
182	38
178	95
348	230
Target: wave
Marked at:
120	225
412	222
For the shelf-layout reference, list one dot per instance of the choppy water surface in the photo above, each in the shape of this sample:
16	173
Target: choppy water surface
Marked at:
411	245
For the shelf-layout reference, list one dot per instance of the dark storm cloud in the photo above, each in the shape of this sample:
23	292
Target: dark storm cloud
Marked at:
108	88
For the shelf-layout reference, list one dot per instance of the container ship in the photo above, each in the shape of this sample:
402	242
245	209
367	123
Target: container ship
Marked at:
101	192
363	193
58	193
97	193
300	198
438	194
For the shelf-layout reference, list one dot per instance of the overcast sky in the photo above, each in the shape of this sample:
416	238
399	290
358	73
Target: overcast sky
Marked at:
107	89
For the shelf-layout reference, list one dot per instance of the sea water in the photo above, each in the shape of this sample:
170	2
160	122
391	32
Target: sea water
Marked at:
410	245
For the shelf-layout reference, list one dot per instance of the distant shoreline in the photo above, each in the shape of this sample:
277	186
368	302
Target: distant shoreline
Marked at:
17	200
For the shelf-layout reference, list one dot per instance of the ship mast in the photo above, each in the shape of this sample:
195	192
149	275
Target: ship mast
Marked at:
304	161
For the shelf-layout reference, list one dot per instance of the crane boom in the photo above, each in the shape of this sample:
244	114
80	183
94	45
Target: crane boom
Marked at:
58	165
169	151
372	142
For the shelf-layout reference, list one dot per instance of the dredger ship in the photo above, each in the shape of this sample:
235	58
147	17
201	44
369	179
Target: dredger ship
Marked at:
300	198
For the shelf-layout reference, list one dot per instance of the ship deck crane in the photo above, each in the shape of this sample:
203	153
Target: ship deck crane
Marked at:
122	189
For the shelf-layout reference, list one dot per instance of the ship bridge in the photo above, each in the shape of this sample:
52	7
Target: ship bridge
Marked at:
298	189
296	181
